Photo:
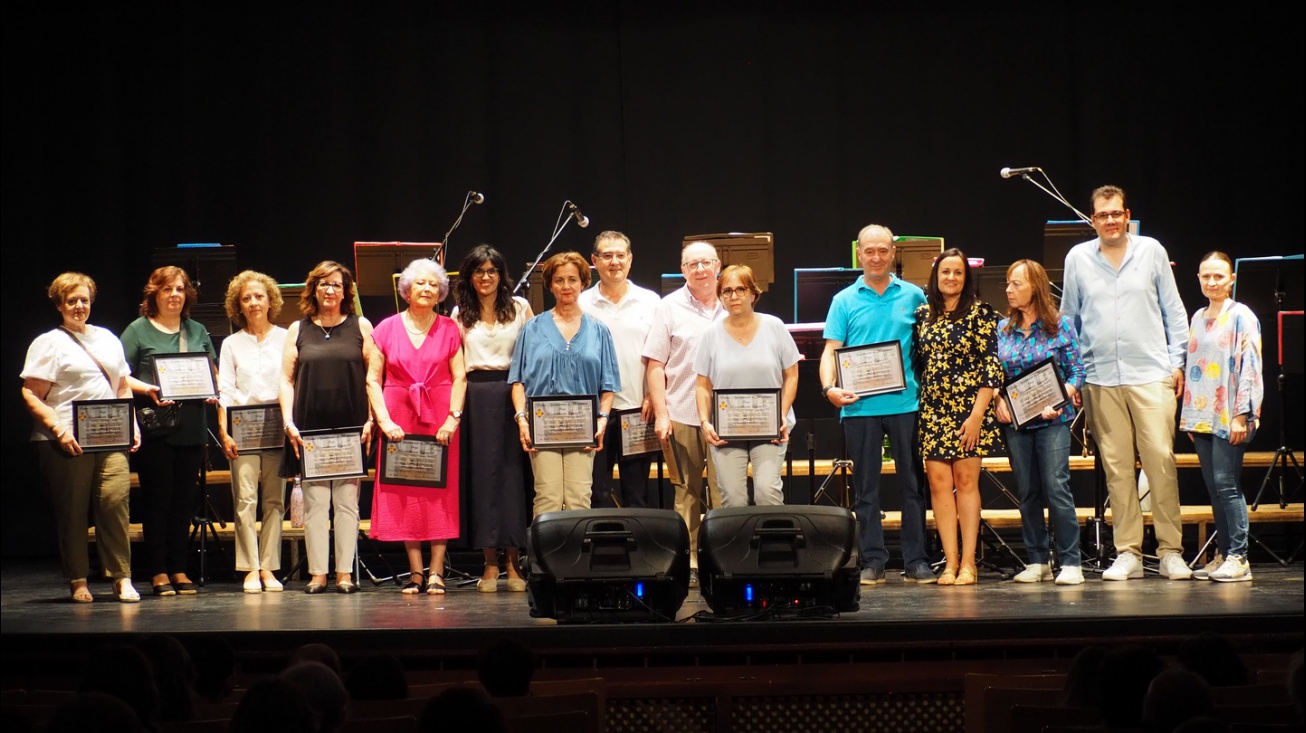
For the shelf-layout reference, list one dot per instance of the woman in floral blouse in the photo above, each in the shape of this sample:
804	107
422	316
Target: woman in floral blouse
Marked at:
1222	404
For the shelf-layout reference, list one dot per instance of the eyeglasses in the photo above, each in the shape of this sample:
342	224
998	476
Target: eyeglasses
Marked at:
1108	215
485	272
734	292
698	265
331	287
617	256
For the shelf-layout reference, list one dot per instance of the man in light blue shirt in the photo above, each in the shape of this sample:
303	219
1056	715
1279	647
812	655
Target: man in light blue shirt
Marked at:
1120	290
879	307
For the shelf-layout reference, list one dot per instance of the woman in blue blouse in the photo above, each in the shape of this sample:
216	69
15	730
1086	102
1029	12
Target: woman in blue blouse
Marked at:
1040	452
562	351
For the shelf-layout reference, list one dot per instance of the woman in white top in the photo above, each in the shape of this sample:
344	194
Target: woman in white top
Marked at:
490	319
746	350
78	361
249	373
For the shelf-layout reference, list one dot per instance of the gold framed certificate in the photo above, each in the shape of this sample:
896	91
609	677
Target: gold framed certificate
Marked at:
256	427
417	460
103	425
871	369
185	376
328	455
563	421
637	436
747	414
1033	391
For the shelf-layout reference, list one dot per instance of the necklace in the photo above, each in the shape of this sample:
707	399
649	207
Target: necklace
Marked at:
420	330
326	332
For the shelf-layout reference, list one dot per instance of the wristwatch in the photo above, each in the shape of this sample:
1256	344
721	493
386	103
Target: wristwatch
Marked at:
602	416
825	391
519	415
456	414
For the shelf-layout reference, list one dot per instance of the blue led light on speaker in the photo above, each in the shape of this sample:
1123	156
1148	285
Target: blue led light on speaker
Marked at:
639	590
748	594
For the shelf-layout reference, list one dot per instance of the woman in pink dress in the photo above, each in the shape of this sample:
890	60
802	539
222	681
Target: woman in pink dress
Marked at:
416	384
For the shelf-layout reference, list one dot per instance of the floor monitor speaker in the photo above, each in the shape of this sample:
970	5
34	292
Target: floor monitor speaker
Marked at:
607	565
779	560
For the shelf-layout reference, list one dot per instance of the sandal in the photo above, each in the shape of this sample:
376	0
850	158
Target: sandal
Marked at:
124	592
81	593
966	577
436	588
949	577
416	586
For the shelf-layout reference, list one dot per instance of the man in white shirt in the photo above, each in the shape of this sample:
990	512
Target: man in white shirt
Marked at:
627	310
678	322
1133	331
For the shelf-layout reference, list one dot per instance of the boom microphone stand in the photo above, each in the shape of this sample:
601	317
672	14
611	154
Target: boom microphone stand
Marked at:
472	198
569	211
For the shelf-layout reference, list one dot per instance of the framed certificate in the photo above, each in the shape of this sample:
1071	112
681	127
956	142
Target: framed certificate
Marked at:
332	454
185	376
256	427
563	421
417	460
103	425
871	369
746	414
1033	391
637	436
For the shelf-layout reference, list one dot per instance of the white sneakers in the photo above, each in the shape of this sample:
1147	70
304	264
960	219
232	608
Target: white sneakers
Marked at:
1070	575
1234	569
1204	572
1033	573
1126	567
1174	567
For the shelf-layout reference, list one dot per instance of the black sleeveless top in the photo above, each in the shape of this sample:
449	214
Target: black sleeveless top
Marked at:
330	381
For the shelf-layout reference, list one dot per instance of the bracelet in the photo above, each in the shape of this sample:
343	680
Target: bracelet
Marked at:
825	391
602	416
289	426
519	415
63	429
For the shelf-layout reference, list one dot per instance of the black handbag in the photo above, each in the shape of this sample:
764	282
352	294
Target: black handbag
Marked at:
158	421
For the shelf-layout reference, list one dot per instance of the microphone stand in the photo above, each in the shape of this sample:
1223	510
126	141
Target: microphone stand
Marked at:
471	198
1056	194
564	218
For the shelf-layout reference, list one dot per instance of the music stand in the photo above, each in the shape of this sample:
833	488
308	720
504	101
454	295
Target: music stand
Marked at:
994	541
201	524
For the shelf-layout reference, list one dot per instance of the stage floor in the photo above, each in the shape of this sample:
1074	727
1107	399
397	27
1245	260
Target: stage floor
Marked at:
896	619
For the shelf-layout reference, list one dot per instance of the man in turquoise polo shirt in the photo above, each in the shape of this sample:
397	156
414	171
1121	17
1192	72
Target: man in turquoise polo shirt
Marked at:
879	307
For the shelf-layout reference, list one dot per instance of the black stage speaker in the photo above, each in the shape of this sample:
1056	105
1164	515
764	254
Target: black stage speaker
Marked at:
774	560
608	565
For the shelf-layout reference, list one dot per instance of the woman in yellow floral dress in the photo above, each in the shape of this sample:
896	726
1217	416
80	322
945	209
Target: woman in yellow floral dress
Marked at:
959	373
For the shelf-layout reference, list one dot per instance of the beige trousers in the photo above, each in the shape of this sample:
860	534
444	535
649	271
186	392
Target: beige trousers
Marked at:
686	458
319	499
1142	417
563	479
251	472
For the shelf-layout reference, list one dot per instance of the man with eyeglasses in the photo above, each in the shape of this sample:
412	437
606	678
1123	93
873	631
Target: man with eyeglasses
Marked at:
627	310
879	307
678	322
1120	290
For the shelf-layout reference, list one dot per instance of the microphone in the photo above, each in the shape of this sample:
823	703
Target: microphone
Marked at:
1013	172
582	221
476	198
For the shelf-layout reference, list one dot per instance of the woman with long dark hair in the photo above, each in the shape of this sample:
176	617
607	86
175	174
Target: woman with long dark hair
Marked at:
490	319
957	351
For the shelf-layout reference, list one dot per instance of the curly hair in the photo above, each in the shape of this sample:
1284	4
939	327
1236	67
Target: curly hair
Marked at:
159	279
410	273
236	288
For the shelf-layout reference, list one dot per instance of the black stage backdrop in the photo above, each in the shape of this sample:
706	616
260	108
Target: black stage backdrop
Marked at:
293	130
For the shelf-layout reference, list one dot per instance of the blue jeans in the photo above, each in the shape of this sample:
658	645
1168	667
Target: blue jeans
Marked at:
865	436
1222	467
1040	460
